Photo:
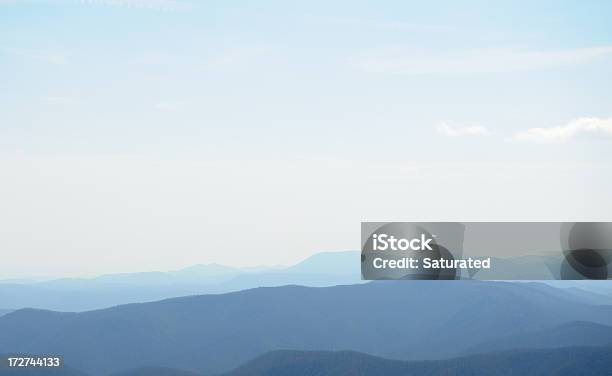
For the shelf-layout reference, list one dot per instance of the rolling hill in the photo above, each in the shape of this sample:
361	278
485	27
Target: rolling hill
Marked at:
84	294
156	371
568	334
562	362
212	333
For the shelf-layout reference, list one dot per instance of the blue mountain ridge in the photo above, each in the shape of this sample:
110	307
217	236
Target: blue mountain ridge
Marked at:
406	320
577	333
562	362
565	361
83	294
322	269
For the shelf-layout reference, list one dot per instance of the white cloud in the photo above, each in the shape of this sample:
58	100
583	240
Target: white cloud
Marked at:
588	127
456	130
496	60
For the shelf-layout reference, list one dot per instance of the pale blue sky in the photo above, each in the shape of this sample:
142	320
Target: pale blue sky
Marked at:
135	134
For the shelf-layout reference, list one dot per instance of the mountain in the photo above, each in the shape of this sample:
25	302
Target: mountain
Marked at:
599	287
565	335
82	298
319	270
563	362
5	311
197	274
213	333
155	371
83	294
566	290
64	371
329	263
321	363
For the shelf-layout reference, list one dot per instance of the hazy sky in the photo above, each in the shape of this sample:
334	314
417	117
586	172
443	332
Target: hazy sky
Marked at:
155	134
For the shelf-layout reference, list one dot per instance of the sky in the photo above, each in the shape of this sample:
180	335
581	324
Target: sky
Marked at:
144	135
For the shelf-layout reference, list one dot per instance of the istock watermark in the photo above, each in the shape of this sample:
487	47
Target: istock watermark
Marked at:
486	250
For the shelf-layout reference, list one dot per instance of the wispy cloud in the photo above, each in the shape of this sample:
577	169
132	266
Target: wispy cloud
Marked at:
459	130
496	60
588	128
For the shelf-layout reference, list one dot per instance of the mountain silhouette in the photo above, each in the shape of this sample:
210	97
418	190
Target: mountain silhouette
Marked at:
578	333
562	362
156	371
213	333
83	294
319	270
